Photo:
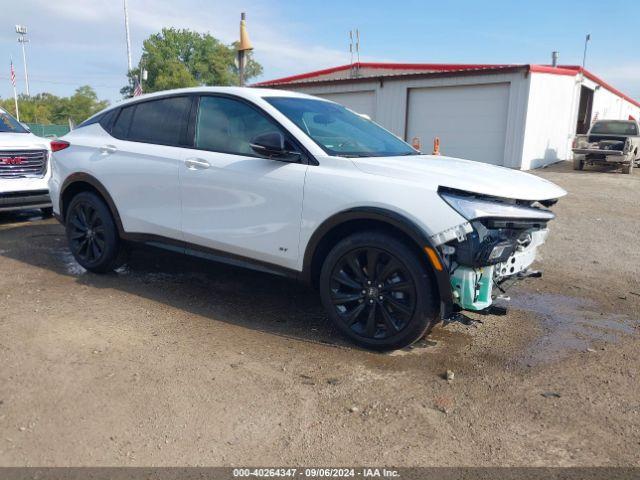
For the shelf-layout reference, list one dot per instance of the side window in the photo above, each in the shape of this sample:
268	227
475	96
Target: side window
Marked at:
121	126
228	126
106	119
162	122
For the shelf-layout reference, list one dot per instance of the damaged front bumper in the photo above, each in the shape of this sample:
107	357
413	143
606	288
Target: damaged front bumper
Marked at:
499	242
472	287
597	155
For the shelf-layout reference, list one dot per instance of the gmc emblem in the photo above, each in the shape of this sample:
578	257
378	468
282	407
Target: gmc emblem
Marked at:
13	160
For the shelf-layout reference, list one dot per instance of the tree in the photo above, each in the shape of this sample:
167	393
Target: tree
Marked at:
183	58
50	109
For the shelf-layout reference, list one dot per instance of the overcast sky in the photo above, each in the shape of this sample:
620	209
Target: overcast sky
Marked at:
78	42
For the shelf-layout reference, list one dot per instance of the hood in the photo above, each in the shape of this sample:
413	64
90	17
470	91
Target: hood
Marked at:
22	140
466	175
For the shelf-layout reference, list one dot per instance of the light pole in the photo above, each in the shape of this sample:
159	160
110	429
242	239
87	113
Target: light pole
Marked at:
126	28
21	30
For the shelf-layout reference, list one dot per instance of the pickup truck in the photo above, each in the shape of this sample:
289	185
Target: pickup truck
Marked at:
609	142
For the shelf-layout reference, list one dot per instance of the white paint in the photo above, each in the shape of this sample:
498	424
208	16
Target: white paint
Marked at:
469	120
255	206
551	119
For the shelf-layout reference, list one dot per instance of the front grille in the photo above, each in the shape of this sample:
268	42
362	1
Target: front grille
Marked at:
23	163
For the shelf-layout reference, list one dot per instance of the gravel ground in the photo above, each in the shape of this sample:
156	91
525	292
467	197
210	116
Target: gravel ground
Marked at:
173	361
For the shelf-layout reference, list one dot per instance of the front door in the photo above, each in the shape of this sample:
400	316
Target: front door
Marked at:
234	200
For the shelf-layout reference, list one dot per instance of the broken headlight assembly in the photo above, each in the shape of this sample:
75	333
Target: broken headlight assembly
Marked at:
474	207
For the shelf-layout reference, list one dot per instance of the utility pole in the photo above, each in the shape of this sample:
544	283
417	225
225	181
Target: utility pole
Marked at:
244	47
586	43
126	28
21	30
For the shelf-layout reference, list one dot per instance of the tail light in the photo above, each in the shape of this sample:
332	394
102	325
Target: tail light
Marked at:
57	145
575	143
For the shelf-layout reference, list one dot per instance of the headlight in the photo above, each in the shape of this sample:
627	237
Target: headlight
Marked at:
473	208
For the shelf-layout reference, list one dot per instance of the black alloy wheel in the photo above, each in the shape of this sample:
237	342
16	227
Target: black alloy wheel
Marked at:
378	291
87	232
373	293
92	234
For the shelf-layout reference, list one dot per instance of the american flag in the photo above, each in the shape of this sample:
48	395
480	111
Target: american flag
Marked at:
137	88
13	75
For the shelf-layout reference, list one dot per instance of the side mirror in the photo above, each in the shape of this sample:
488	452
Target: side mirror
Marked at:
272	145
25	126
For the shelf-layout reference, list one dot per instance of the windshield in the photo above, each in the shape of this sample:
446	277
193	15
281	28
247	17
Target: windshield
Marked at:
8	124
615	128
338	130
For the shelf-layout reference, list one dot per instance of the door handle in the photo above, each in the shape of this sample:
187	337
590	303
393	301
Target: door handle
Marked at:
108	149
196	164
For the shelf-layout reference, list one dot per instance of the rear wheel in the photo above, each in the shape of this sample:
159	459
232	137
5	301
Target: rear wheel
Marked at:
92	234
377	291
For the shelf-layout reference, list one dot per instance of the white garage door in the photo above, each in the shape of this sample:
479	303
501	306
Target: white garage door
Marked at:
361	102
470	120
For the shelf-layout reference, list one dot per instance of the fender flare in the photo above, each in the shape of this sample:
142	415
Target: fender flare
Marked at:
391	218
99	187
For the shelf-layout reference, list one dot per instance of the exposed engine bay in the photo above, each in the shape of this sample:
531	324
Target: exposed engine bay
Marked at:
502	245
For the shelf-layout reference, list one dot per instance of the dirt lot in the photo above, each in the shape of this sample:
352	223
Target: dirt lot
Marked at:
173	361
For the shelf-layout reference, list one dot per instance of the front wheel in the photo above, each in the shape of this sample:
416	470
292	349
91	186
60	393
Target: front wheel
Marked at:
92	234
378	292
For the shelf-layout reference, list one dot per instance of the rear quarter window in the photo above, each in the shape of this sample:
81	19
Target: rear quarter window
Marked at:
162	122
121	126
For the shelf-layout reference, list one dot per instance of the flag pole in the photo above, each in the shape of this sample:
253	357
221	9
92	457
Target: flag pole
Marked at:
15	99
15	93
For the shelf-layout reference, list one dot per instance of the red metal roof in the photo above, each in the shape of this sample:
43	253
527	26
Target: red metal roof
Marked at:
569	70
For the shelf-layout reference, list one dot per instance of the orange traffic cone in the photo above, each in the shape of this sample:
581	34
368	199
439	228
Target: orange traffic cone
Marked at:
436	146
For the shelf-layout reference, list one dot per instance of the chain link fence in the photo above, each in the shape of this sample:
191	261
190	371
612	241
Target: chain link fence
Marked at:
48	131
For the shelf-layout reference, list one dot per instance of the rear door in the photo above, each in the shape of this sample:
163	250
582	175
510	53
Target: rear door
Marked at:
233	199
141	161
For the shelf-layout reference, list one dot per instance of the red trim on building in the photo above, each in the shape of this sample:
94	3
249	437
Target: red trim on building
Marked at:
604	84
430	67
552	70
568	70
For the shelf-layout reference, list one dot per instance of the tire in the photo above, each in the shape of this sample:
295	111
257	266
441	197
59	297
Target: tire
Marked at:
388	309
92	234
628	169
578	164
47	212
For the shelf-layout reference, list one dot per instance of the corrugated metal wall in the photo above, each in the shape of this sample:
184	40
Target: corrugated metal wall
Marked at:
391	104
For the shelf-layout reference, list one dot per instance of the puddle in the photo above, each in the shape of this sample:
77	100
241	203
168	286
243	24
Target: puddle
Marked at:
439	339
70	265
11	219
570	324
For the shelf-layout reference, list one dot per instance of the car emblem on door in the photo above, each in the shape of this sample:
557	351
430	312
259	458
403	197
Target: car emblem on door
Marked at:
13	160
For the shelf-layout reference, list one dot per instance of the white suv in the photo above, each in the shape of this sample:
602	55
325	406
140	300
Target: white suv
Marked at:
24	172
296	185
